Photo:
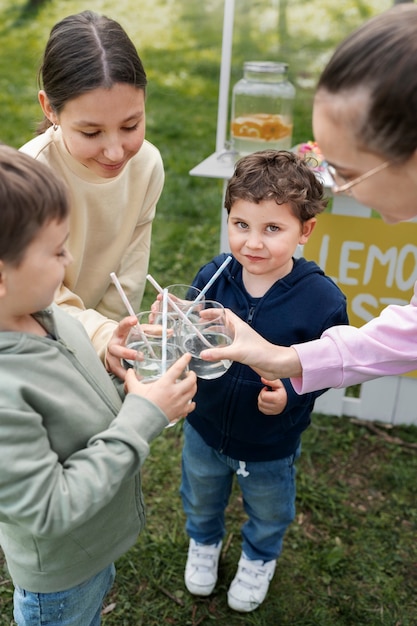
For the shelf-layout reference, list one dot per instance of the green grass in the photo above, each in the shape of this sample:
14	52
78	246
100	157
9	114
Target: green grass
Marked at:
180	44
350	557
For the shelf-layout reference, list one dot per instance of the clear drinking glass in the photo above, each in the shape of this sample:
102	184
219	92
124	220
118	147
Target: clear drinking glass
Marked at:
182	295
205	332
149	365
151	325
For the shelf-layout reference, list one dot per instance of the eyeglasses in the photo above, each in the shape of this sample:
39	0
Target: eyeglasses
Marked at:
355	181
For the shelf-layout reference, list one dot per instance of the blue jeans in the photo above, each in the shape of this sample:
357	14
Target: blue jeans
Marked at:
268	491
78	606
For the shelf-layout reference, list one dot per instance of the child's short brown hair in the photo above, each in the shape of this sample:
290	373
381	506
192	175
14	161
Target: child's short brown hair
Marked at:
278	175
31	195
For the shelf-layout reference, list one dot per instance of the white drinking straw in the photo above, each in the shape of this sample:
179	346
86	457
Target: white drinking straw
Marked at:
178	310
131	311
122	294
211	281
164	330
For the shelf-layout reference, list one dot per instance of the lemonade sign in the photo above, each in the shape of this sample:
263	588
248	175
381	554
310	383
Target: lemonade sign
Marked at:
373	263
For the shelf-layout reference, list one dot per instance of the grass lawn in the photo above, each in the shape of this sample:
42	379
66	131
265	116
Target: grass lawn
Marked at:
350	558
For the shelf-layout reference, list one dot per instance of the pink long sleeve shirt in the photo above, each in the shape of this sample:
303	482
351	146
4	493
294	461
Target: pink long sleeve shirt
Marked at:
345	355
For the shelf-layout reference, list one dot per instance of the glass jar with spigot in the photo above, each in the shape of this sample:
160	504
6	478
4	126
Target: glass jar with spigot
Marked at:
262	107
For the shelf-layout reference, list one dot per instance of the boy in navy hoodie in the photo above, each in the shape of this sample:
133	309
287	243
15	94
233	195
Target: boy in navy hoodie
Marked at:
244	425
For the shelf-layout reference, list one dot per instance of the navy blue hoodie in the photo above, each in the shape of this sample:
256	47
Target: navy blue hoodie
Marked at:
297	308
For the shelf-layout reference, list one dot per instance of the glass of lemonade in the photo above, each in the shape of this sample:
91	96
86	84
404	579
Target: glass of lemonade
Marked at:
182	295
149	365
205	332
151	325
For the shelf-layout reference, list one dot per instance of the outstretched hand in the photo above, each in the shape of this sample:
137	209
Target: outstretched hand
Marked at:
249	348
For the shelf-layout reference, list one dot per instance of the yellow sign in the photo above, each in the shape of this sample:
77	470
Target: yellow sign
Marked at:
373	263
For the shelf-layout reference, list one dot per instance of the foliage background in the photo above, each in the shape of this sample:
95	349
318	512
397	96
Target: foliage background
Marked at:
179	42
350	558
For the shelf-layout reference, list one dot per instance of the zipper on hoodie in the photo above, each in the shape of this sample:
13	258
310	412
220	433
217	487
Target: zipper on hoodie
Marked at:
250	314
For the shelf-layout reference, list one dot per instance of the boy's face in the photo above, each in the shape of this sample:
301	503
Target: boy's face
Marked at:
263	237
31	286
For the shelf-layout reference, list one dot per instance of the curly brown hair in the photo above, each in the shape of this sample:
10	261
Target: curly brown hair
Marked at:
281	175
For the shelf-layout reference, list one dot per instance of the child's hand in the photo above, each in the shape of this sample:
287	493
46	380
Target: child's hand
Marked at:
272	399
156	305
170	393
116	349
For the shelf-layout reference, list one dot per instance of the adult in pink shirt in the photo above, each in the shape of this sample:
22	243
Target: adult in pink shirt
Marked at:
365	122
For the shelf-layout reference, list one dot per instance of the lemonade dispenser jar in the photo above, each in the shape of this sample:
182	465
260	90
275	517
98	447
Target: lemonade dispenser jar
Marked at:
262	103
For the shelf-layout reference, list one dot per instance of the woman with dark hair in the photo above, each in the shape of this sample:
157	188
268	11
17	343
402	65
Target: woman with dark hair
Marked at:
92	93
365	122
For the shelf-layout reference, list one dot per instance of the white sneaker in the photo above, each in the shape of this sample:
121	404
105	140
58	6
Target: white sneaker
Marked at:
201	569
250	585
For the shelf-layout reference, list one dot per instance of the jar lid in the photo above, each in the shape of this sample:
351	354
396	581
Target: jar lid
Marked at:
268	67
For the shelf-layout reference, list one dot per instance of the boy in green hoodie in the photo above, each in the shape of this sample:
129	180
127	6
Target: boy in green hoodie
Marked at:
73	438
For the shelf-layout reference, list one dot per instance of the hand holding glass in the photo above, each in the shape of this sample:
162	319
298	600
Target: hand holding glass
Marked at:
205	332
149	367
150	324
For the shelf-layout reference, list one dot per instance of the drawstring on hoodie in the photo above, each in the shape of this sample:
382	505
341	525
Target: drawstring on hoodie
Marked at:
242	471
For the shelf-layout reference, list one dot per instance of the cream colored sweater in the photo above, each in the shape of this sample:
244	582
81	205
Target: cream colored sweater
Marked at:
110	231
